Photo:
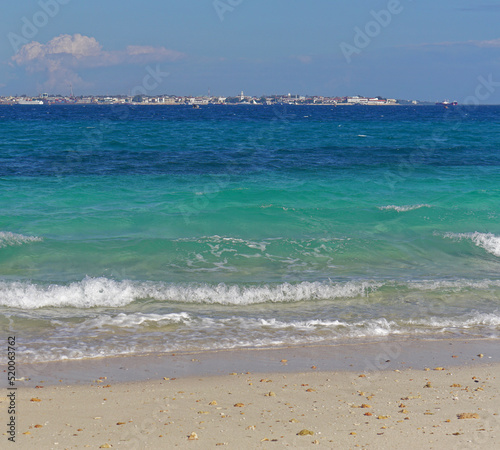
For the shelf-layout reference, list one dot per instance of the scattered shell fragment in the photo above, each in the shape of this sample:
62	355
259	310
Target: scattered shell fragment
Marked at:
120	423
105	445
293	421
468	416
38	425
305	432
480	355
383	417
193	437
428	385
364	405
239	405
439	368
283	361
456	385
213	402
250	427
35	399
270	394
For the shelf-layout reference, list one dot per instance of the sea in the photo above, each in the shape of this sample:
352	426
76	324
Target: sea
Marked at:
128	230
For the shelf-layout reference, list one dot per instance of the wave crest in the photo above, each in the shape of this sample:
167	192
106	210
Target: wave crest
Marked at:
487	241
404	208
103	292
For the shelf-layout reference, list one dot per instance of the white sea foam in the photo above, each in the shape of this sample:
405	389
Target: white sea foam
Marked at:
98	336
487	241
104	292
476	320
404	208
134	320
339	328
7	239
456	285
88	293
92	292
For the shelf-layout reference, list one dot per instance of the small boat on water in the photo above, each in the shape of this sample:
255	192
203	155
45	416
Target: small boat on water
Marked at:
196	106
447	103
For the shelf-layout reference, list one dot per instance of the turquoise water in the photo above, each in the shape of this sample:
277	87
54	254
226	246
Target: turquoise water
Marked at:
133	229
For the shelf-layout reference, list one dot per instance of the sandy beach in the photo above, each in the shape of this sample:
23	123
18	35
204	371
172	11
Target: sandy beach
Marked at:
446	399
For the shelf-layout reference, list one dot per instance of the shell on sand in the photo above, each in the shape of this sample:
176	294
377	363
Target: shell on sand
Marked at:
468	416
305	432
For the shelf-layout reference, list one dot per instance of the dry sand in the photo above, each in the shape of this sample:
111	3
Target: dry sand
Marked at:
414	408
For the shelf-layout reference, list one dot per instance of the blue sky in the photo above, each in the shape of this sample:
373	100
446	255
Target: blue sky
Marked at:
420	49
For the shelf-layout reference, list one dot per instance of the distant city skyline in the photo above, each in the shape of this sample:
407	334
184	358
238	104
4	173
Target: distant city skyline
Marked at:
423	50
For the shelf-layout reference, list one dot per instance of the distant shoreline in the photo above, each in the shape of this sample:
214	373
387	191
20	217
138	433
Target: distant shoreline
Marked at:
232	104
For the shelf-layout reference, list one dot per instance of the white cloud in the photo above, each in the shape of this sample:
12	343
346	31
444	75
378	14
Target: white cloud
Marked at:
63	55
493	43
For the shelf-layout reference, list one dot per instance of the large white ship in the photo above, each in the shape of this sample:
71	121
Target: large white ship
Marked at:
30	102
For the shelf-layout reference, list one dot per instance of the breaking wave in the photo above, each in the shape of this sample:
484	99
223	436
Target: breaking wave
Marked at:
93	292
104	292
487	241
